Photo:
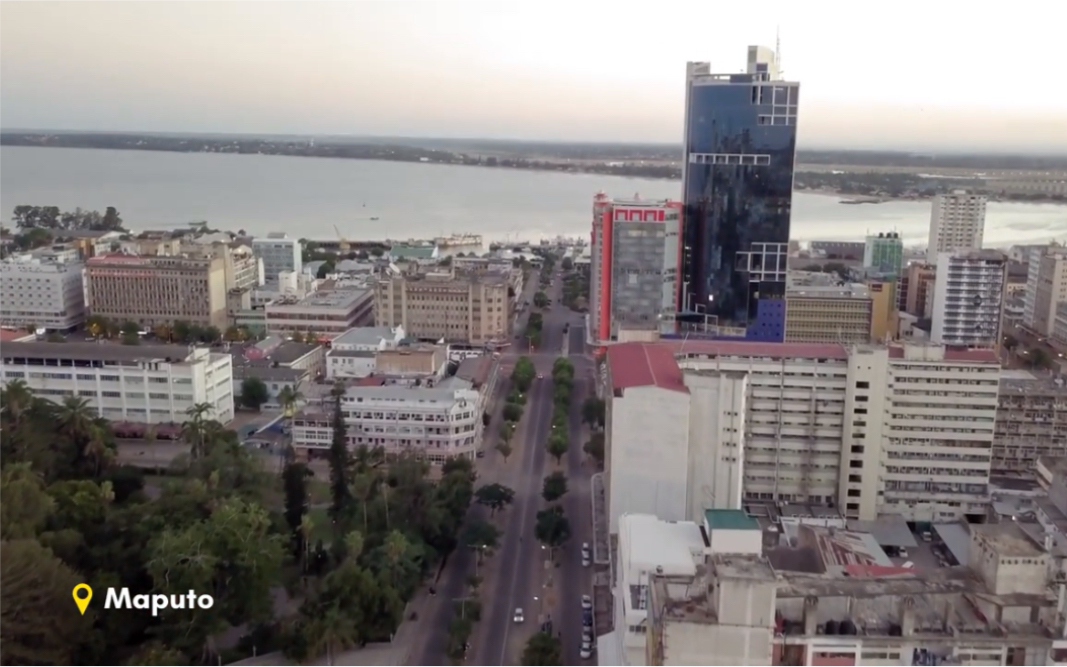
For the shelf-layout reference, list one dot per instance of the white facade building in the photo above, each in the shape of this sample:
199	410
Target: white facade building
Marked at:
279	253
324	313
352	354
1046	287
957	223
869	429
436	423
150	384
969	293
44	294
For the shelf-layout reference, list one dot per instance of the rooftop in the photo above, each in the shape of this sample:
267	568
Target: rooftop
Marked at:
11	335
342	298
730	520
644	365
268	374
1007	539
97	351
960	354
650	542
475	369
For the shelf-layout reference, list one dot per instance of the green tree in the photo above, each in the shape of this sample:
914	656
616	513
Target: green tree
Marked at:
254	393
524	373
593	410
481	536
553	528
540	299
339	460
594	447
196	429
558	444
1038	358
131	339
554	486
295	486
40	625
494	496
505	449
543	649
512	412
289	397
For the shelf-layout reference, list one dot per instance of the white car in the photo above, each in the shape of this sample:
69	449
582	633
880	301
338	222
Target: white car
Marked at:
587	651
519	616
540	376
585	561
587	602
587	637
585	551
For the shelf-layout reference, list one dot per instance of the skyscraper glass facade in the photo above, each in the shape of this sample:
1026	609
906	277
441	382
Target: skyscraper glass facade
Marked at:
740	149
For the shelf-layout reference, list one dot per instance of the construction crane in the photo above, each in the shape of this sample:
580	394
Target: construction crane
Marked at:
344	244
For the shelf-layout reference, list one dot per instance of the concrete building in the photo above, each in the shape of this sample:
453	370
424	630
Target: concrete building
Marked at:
42	294
1046	287
352	354
455	307
635	254
821	601
151	243
884	254
969	298
412	361
434	423
279	253
147	384
957	224
852	251
917	288
1059	325
1031	421
159	289
324	313
835	314
871	430
91	242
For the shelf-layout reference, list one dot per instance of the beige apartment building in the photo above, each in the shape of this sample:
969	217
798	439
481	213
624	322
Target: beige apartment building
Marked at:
837	314
469	308
154	290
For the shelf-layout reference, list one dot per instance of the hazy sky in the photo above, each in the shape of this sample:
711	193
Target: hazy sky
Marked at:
900	74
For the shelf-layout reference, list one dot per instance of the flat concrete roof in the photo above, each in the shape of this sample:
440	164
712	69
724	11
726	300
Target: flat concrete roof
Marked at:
730	520
888	531
95	351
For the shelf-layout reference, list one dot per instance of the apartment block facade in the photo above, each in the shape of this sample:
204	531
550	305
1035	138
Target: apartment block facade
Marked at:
969	294
435	423
836	314
456	307
1031	421
957	223
154	290
1046	287
41	293
279	253
634	261
870	430
146	384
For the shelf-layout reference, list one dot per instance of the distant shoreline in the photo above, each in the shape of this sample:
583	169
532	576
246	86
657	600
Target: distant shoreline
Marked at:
386	153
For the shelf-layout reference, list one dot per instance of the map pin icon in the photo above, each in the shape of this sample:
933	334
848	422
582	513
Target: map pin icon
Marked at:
82	594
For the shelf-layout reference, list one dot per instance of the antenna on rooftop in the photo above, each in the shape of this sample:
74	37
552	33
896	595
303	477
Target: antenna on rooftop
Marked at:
778	49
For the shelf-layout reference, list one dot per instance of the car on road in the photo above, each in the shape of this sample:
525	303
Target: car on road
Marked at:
586	651
540	376
585	550
585	560
587	636
519	616
587	602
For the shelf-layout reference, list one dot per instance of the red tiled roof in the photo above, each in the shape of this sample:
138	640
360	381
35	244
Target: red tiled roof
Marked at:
962	354
745	348
644	365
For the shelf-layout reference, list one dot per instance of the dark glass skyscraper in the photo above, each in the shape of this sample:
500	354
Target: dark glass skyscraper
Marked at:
740	147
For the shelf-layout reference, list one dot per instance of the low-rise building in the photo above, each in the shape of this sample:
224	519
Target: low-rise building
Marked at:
405	361
148	384
433	423
444	305
326	313
276	379
1031	421
42	294
158	289
352	354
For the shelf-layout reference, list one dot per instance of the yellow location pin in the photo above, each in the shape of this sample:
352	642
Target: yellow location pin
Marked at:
82	594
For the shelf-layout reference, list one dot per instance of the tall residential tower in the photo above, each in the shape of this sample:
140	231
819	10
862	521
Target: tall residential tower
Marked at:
740	146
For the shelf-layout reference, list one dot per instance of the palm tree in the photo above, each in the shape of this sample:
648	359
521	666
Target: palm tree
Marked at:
396	548
307	527
288	397
15	399
195	429
95	447
362	487
330	632
75	418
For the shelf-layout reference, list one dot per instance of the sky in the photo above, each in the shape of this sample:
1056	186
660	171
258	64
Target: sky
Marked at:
895	75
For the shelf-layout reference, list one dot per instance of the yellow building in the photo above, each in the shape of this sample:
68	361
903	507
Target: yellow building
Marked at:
471	308
829	314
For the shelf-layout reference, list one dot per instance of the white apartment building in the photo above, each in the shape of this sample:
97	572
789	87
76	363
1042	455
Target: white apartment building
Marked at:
969	293
44	294
148	384
353	353
957	222
1046	287
279	253
869	429
437	423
